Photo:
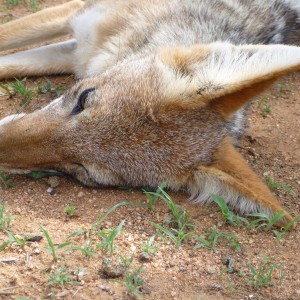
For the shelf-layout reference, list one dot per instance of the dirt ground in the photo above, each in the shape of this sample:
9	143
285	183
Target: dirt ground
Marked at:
271	146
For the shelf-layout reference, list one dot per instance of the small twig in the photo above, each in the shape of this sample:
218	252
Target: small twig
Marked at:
8	260
5	291
77	291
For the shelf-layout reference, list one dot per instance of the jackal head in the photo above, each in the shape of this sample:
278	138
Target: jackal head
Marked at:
147	119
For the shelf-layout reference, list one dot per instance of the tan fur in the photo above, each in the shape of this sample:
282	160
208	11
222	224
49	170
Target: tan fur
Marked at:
162	95
229	165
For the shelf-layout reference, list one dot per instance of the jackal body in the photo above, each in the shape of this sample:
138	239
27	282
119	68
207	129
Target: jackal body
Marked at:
162	93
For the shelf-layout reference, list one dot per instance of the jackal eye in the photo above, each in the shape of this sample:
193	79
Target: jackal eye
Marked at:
81	101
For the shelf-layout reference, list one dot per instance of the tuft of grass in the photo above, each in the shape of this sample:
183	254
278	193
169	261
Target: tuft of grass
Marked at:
148	247
127	261
177	236
4	245
34	5
17	239
60	277
273	184
264	106
279	234
14	2
262	275
47	86
5	217
38	174
228	215
153	197
4	87
70	210
283	88
178	227
5	180
133	281
26	94
88	249
51	247
108	237
261	220
214	237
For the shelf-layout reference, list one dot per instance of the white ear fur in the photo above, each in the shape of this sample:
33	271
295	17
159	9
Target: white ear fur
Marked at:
224	68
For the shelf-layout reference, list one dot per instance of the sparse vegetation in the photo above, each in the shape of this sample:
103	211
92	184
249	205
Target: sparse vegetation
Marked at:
89	249
178	226
153	197
133	281
262	275
263	220
38	174
149	247
283	88
60	277
127	261
214	237
70	210
5	217
273	184
265	107
14	2
19	240
279	234
228	215
47	86
52	248
5	180
32	4
26	94
108	237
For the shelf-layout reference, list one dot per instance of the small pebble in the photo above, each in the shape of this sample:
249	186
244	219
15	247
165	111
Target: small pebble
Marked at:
104	288
51	191
210	269
230	263
80	194
112	269
145	289
53	181
144	257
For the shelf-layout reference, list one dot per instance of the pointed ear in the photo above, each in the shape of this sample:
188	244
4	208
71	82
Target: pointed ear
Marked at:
202	73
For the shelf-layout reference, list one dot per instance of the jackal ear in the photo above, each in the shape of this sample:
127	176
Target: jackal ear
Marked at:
201	73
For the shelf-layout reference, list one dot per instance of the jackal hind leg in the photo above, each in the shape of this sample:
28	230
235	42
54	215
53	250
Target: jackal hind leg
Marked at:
41	26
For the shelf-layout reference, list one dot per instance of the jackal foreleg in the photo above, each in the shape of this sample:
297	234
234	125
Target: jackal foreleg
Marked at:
230	177
56	58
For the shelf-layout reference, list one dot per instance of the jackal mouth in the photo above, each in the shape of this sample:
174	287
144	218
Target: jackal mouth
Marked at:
31	173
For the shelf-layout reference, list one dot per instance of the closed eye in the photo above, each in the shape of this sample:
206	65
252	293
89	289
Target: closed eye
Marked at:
79	107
